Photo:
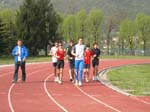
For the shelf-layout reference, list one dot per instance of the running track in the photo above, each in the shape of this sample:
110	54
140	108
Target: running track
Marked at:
41	94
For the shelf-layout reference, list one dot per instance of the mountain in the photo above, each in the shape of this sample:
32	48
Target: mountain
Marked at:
109	7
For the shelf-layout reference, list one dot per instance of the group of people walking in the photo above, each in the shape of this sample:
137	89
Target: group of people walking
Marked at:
79	57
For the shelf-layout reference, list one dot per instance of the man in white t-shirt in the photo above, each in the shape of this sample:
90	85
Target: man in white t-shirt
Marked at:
54	59
78	52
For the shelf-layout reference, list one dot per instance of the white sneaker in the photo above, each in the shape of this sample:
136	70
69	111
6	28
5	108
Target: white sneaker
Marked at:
76	82
93	78
97	78
59	82
80	83
86	80
56	79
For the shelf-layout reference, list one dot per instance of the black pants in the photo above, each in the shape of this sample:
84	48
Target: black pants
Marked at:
22	65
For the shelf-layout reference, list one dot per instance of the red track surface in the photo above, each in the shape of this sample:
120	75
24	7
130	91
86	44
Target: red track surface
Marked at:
41	94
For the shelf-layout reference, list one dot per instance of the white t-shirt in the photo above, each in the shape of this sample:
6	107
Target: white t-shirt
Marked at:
53	53
19	51
79	50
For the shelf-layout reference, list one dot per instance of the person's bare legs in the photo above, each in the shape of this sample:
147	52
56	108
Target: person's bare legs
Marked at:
60	75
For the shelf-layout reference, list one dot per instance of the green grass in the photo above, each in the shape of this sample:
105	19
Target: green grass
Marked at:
125	57
10	60
134	79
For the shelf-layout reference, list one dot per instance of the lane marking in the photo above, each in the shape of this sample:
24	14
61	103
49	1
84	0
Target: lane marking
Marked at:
11	87
99	101
10	72
9	98
50	96
143	101
57	94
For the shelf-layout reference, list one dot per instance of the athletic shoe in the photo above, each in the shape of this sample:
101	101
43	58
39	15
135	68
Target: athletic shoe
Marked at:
80	83
56	79
14	81
23	81
76	82
86	80
71	80
93	78
97	78
59	82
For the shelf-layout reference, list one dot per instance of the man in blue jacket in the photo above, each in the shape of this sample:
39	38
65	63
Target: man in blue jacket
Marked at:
20	53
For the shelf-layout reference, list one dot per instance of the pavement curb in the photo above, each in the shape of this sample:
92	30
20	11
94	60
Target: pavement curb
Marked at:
102	77
104	80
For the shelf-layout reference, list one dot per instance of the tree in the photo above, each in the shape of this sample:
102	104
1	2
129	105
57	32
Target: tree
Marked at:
2	32
128	33
143	24
8	18
95	19
81	17
112	24
37	24
69	27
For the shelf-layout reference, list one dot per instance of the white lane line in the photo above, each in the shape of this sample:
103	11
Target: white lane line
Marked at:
34	63
50	96
143	101
99	101
9	97
57	94
8	73
11	87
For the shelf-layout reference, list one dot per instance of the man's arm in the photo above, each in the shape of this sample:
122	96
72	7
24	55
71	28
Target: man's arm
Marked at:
25	53
14	52
73	52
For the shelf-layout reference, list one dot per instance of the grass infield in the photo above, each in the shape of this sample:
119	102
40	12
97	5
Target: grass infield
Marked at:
134	79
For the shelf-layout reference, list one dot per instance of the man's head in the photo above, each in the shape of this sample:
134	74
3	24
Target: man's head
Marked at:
19	43
71	43
87	47
95	45
60	45
80	40
56	44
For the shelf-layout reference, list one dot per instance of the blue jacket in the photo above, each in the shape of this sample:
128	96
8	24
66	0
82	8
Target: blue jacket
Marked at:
24	53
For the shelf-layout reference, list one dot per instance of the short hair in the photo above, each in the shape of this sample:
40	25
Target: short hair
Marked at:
56	41
80	38
59	41
71	41
95	44
19	40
